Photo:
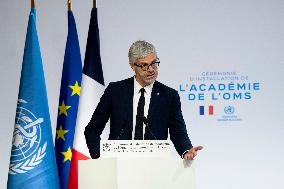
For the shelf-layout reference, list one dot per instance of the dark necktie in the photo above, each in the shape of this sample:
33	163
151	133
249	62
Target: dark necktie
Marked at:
140	116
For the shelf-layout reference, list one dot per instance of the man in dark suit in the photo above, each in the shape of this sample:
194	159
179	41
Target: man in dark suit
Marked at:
140	107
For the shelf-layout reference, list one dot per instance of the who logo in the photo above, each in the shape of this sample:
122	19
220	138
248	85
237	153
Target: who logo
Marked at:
28	149
229	110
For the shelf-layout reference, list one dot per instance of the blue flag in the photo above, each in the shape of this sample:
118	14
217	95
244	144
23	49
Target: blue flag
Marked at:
68	102
32	163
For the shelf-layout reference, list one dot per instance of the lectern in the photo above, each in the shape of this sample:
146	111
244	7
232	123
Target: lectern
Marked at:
136	165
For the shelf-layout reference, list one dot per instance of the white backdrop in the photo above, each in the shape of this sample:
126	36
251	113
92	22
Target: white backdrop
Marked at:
194	39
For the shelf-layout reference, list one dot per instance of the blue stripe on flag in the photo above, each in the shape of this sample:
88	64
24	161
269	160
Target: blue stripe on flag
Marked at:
201	110
92	63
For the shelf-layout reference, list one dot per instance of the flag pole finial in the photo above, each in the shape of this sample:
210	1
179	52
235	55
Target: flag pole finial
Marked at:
94	4
32	4
69	3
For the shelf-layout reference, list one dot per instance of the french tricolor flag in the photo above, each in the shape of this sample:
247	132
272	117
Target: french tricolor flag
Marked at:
92	88
210	110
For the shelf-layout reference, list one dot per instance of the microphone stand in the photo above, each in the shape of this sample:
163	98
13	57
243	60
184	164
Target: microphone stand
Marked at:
145	121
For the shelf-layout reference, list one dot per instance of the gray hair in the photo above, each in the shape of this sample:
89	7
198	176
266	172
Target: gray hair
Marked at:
140	49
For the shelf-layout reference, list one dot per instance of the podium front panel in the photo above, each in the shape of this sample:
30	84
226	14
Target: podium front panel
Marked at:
136	173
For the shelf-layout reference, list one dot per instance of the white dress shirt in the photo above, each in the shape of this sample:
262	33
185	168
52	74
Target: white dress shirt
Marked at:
136	96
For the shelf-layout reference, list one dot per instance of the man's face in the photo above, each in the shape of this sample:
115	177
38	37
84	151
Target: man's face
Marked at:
146	77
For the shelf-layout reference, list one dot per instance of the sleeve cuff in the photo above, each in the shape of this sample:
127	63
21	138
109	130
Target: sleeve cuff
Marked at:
184	153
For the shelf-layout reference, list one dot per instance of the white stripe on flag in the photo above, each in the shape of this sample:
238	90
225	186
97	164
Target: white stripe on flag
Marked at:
91	92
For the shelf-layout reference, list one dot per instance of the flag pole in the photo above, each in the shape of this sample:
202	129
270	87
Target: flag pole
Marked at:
32	4
69	3
94	4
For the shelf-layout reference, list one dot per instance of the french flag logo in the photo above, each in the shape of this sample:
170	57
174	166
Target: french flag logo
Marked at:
210	110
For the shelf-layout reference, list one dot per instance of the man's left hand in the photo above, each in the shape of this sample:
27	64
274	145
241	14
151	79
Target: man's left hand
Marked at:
192	153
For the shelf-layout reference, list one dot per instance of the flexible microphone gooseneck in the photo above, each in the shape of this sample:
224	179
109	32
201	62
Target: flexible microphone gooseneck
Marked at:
145	121
121	131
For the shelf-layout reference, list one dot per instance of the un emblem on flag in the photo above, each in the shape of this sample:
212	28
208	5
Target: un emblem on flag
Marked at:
27	149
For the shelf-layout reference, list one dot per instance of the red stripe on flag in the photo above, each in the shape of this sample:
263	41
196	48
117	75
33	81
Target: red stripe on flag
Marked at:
73	175
211	110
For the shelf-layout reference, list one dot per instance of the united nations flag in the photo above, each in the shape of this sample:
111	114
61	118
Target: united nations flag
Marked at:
32	162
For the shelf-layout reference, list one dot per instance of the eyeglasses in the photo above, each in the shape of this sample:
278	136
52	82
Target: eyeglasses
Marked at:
145	67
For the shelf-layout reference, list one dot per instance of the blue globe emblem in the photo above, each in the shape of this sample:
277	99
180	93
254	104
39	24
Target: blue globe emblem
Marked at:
28	149
229	109
26	136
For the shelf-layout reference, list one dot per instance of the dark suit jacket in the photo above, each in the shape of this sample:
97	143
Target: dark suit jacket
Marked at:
117	104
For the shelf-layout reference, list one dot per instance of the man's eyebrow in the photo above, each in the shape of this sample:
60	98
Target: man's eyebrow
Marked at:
147	62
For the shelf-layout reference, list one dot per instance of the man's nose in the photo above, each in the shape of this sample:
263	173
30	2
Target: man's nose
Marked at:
150	69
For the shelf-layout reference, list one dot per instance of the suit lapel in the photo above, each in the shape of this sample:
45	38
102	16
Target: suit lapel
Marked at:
129	101
154	101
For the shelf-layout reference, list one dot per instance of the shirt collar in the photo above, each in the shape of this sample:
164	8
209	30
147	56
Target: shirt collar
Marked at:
137	87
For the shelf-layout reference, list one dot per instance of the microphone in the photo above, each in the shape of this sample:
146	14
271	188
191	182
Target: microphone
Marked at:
145	121
122	130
